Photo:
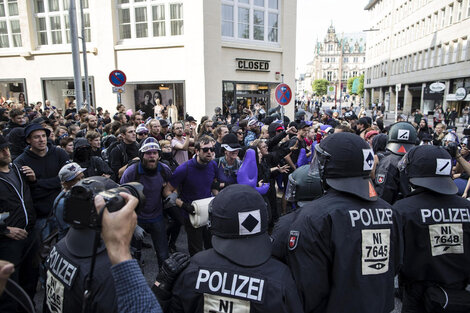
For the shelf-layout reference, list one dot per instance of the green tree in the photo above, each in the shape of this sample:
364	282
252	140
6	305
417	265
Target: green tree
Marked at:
350	84
320	86
360	90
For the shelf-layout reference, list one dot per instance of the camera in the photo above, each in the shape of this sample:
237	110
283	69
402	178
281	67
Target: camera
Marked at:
79	208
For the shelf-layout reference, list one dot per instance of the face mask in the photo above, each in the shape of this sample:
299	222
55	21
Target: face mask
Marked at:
82	154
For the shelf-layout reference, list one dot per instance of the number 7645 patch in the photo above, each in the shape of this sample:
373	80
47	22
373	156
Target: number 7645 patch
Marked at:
375	251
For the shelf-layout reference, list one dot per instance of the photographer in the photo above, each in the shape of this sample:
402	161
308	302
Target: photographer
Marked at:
132	292
69	265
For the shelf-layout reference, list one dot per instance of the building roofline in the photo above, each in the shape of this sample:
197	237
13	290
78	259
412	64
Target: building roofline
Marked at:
370	4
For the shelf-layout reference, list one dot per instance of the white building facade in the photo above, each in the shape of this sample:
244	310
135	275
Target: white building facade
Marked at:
197	54
338	57
422	45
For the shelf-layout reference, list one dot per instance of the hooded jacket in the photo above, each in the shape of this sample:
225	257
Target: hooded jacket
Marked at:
47	185
17	203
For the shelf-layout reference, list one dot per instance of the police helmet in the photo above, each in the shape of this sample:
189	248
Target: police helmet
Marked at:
303	187
401	138
344	162
429	167
238	221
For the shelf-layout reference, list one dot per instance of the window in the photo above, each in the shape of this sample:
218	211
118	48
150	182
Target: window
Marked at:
329	76
256	20
443	17
152	18
52	21
439	56
464	48
227	20
451	13
432	59
454	51
176	18
10	32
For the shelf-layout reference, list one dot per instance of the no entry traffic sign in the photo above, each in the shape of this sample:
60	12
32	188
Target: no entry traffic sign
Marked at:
117	78
283	94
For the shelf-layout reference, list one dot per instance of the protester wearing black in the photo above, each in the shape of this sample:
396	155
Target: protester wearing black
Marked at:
95	166
17	142
238	274
18	242
436	229
390	186
46	161
125	151
343	248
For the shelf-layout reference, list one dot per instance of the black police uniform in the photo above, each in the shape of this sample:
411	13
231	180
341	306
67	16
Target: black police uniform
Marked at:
212	283
344	248
238	274
343	252
389	184
65	282
436	230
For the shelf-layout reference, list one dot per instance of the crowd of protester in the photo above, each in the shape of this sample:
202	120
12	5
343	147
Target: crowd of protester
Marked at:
195	159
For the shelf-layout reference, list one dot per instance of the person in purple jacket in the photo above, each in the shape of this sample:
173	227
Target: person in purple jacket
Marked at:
153	175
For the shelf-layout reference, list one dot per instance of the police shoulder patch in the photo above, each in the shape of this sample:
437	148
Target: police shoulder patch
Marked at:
380	178
293	239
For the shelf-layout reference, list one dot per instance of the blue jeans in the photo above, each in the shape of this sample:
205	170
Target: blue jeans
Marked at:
157	231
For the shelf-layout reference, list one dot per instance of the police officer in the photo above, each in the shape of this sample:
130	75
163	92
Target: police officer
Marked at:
68	266
436	229
343	248
302	187
388	183
238	273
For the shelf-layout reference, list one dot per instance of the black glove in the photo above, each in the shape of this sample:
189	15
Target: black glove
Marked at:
452	148
188	208
215	185
169	272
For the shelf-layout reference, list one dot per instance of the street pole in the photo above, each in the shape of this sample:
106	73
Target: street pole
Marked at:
282	107
340	76
85	63
77	76
396	104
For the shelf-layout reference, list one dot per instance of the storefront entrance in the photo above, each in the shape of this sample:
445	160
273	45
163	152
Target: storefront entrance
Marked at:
238	96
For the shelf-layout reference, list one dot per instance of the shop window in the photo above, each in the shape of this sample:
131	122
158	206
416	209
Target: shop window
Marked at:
149	18
52	21
61	92
13	90
170	95
10	31
257	20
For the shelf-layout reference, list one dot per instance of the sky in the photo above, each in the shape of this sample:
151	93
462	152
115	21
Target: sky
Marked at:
315	16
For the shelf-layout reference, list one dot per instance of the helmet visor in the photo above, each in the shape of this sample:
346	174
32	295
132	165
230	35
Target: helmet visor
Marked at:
290	190
318	163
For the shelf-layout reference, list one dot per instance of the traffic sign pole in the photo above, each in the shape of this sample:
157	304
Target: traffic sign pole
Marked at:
282	107
117	79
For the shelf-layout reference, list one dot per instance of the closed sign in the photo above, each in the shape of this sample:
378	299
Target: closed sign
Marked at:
252	65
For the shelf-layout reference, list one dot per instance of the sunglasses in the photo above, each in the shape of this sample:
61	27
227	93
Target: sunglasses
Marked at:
211	149
240	133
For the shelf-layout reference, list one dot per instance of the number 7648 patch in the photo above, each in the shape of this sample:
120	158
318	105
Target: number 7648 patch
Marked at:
446	239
